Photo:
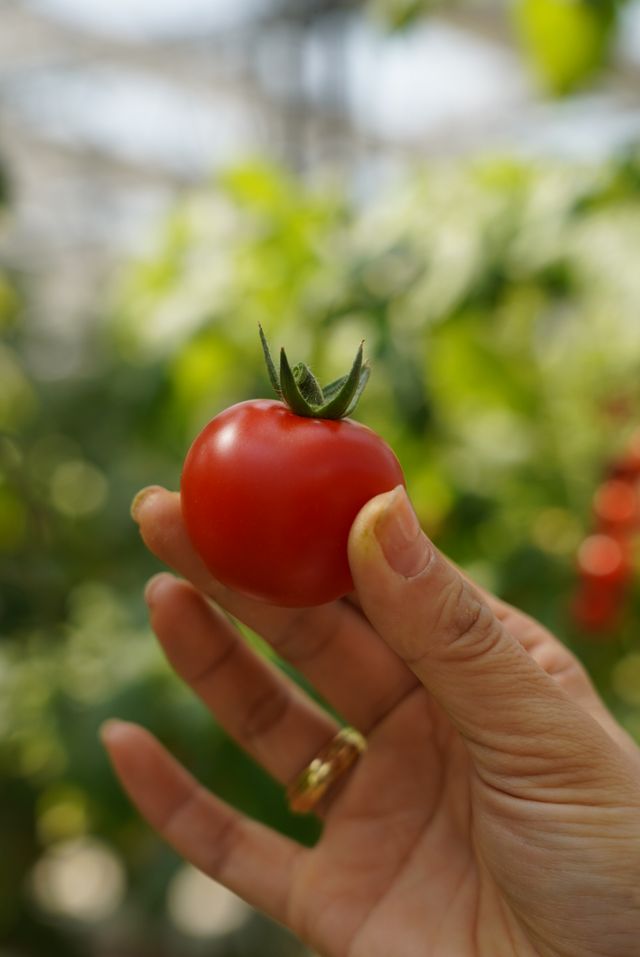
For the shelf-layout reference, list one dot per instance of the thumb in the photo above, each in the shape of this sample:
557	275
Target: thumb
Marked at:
511	713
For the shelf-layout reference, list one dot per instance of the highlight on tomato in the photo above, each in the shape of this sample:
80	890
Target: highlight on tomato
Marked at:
270	488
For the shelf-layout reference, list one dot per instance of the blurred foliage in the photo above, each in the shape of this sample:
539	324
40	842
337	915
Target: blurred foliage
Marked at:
498	301
4	186
567	42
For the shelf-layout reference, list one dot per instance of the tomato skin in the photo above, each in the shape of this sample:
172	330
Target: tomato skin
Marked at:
268	499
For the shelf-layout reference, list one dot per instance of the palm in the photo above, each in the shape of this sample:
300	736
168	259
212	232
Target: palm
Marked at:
398	861
420	854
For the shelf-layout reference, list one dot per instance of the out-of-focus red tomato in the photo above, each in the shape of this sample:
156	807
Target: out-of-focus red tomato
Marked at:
597	607
604	559
628	465
615	504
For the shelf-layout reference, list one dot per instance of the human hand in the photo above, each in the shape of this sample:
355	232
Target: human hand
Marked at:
496	812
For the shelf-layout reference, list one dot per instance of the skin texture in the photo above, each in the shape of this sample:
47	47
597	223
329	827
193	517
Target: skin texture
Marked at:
496	812
269	497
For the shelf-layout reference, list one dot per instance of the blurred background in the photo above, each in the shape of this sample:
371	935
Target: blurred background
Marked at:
459	183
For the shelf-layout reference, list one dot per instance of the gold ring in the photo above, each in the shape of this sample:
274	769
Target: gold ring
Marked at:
325	769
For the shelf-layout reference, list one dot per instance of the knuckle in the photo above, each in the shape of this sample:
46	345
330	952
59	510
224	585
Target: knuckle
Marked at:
264	713
287	641
211	670
570	674
467	627
173	821
221	847
305	636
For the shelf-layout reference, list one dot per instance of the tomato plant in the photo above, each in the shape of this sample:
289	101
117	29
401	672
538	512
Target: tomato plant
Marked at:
270	488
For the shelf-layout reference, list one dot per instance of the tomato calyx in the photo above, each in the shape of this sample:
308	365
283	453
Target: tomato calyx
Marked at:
301	391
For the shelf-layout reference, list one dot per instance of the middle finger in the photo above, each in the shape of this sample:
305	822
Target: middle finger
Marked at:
263	710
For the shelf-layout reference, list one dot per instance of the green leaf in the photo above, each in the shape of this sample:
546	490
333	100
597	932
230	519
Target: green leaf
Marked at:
290	391
365	372
309	387
271	369
567	41
342	400
304	395
334	387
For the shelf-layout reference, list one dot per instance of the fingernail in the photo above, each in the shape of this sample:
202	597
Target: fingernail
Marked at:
110	729
398	531
143	495
154	585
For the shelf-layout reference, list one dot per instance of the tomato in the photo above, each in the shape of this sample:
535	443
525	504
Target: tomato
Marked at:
616	504
597	607
605	566
269	496
604	559
628	465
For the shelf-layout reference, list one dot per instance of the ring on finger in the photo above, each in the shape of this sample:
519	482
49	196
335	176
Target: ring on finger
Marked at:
327	767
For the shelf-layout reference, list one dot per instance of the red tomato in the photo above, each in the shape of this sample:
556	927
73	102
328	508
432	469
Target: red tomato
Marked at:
269	496
597	607
628	465
616	504
603	558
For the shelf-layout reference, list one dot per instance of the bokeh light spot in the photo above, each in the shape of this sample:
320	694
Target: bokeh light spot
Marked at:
81	879
78	489
616	503
62	814
600	556
625	679
200	907
556	531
